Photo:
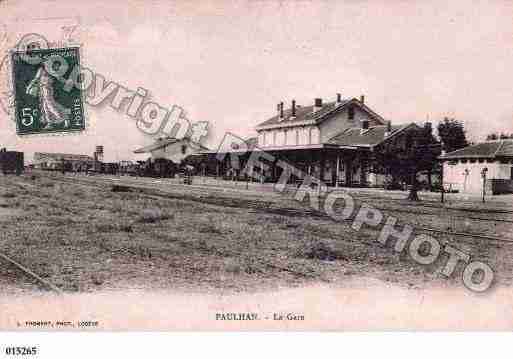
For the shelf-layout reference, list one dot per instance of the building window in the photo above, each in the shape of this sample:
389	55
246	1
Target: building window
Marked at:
280	136
350	113
184	149
313	136
464	161
303	136
481	160
472	160
297	137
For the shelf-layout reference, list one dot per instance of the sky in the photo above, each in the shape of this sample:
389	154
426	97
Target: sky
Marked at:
231	62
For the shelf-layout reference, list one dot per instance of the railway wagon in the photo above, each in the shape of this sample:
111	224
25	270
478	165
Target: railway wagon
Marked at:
11	162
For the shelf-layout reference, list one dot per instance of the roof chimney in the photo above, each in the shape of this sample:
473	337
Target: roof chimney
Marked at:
362	99
339	98
317	104
293	108
280	111
388	130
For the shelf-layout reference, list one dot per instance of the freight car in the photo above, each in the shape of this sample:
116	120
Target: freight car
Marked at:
11	162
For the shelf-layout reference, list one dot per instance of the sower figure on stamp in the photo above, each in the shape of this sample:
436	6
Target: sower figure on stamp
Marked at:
52	112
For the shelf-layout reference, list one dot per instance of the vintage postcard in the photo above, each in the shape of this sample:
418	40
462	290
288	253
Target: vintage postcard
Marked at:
256	166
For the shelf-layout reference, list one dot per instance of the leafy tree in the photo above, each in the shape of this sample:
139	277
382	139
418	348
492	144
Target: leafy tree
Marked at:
452	134
404	157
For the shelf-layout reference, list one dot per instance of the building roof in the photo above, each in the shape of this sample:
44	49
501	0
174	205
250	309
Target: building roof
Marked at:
250	144
489	149
164	142
373	136
351	138
305	114
42	156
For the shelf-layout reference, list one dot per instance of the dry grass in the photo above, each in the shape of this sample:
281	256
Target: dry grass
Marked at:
83	239
5	194
320	250
153	215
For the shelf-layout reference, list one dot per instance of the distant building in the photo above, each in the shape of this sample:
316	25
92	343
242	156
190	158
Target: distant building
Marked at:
172	149
331	141
463	168
169	155
53	161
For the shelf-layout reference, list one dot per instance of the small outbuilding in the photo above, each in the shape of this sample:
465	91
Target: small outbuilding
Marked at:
486	165
168	155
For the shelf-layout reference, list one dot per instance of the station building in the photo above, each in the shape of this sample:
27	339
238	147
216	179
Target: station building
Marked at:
332	141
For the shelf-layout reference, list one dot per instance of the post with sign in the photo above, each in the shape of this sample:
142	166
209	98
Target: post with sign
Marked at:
483	174
442	182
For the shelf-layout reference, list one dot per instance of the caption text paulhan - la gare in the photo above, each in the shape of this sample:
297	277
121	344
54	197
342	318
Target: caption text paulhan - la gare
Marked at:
256	316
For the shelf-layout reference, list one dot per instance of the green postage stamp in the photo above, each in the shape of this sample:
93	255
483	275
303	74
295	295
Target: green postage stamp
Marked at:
46	99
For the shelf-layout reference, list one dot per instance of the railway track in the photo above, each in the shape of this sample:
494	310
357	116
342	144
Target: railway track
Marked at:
359	196
30	273
437	205
208	190
204	195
